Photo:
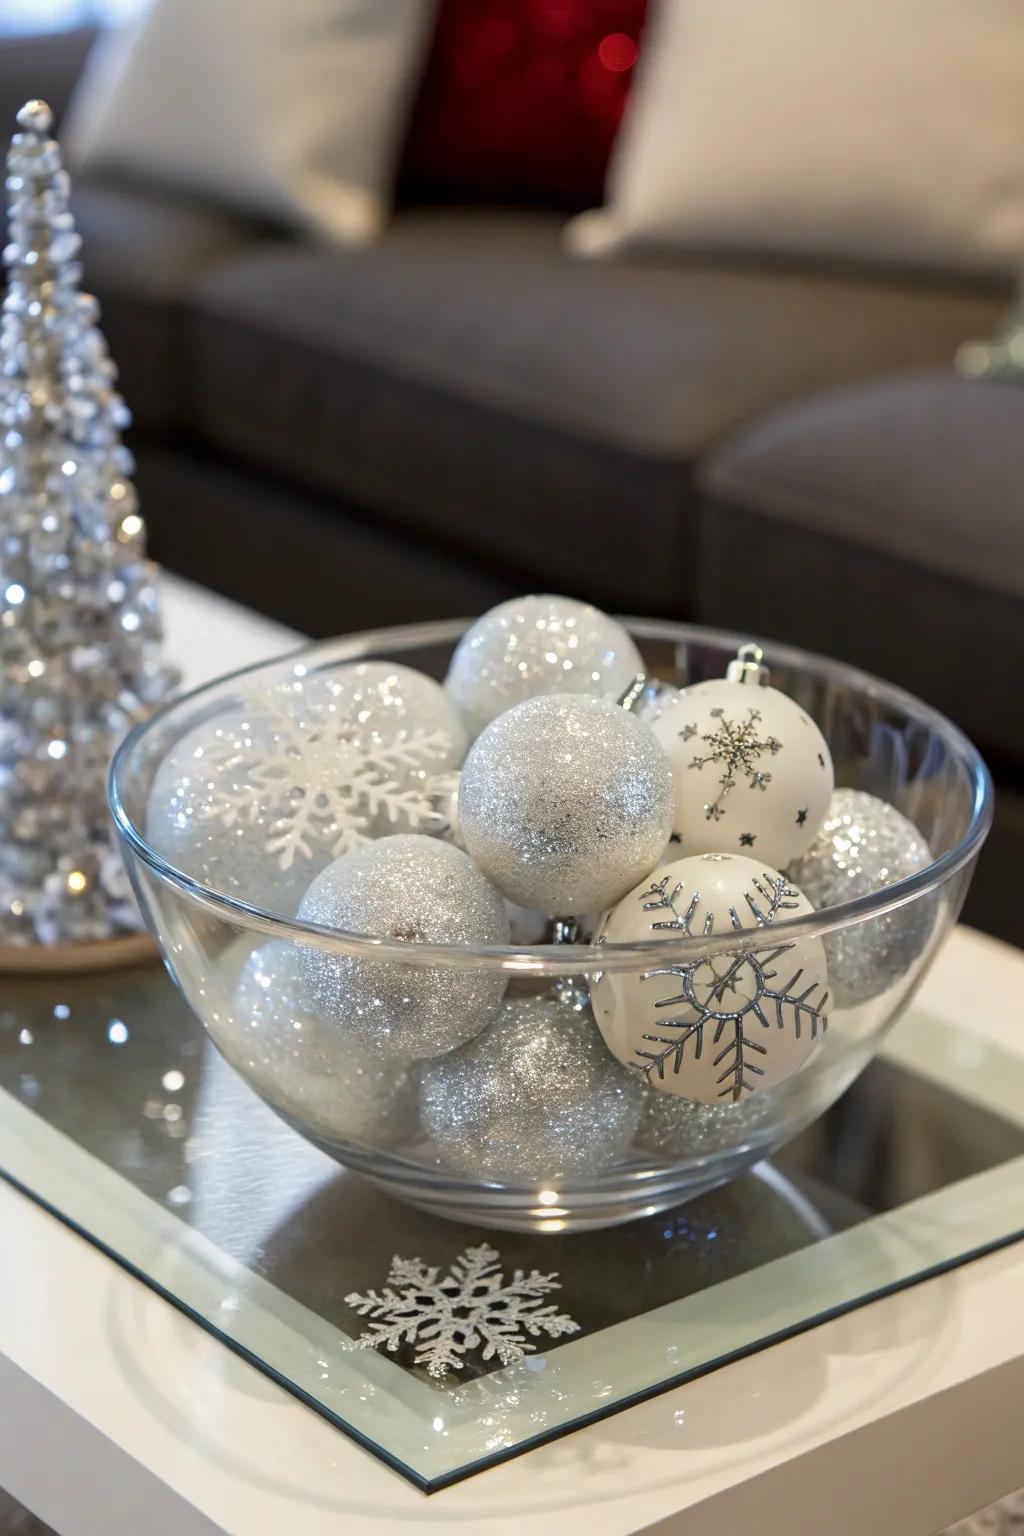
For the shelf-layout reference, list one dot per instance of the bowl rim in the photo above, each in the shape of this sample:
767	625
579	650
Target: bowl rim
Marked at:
565	959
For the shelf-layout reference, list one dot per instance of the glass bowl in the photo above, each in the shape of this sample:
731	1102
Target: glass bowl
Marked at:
883	741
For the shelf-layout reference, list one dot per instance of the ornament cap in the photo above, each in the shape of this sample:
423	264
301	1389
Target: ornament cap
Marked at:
748	667
35	116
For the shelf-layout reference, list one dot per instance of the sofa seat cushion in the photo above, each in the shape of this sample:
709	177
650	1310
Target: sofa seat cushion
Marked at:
885	521
141	254
469	377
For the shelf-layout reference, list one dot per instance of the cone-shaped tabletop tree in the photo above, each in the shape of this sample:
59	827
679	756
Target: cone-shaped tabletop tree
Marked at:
80	635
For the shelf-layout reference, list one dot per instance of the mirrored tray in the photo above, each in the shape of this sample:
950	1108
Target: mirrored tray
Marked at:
118	1115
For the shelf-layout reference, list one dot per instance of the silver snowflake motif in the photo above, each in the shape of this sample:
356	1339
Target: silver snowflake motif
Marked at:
736	745
724	996
770	895
473	1307
326	786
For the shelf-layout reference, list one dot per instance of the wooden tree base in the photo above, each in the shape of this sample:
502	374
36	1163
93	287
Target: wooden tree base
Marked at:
67	959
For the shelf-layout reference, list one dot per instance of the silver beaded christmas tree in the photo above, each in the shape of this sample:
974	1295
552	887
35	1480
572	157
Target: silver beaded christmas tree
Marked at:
80	637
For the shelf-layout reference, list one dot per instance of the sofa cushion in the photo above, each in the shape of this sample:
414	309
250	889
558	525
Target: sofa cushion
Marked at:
885	521
141	253
402	375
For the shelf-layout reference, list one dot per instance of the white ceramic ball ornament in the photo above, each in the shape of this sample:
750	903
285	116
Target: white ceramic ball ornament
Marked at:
565	803
307	1066
411	889
722	1027
536	645
753	772
536	1096
865	845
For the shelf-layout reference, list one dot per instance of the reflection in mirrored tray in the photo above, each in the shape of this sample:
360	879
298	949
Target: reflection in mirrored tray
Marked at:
119	1115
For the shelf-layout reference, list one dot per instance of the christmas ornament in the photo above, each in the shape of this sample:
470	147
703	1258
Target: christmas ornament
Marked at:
306	1065
673	1129
753	772
80	635
419	890
473	1307
865	845
565	803
536	1096
538	645
255	807
717	1028
186	820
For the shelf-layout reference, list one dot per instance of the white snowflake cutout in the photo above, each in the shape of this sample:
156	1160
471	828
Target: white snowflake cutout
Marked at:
328	788
473	1307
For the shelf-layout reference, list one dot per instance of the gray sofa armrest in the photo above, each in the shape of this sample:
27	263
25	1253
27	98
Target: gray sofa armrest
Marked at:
46	66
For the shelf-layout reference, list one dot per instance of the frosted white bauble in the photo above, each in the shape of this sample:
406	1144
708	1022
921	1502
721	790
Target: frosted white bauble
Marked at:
383	703
415	890
308	1067
536	1096
565	802
753	772
865	845
535	645
719	1028
187	825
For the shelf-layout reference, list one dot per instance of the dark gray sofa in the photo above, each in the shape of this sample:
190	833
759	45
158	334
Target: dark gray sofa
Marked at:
463	412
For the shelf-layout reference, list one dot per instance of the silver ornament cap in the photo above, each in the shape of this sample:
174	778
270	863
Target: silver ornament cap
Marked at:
565	803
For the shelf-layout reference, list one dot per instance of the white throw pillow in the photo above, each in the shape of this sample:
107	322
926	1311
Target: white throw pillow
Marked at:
291	109
868	130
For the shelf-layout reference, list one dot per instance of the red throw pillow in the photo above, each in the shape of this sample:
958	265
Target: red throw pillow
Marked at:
521	99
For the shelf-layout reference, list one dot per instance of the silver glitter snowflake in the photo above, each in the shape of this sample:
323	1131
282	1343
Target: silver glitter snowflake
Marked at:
737	746
771	895
724	996
327	785
473	1307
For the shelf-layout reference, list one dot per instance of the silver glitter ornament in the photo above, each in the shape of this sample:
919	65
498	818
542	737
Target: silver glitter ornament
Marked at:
674	1129
536	1097
80	636
418	890
537	645
230	856
565	803
308	1067
865	845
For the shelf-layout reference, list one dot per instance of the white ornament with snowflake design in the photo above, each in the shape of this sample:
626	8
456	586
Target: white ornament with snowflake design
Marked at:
718	1028
473	1307
753	773
258	804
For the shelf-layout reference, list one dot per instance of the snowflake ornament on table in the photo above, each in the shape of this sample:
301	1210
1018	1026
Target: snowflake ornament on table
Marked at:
473	1307
726	1024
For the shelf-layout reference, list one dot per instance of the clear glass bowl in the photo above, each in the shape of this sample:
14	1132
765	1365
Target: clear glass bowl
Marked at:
882	740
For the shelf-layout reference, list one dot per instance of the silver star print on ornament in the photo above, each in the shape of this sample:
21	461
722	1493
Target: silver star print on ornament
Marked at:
473	1307
736	746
